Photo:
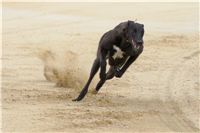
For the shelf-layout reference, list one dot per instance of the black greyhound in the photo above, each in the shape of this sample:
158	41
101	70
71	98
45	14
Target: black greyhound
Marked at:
121	46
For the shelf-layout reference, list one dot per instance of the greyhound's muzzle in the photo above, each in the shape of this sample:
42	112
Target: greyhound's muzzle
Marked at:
135	46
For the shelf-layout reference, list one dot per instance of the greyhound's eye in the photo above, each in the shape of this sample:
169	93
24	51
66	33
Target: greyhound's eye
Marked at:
126	40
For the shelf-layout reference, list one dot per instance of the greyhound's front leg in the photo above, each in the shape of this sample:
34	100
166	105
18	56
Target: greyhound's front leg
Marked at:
109	75
120	72
103	65
102	71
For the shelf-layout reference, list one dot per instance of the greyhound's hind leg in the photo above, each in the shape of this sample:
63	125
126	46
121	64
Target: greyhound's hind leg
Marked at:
109	75
94	70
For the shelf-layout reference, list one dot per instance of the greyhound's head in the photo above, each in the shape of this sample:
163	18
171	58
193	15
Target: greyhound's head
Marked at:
133	37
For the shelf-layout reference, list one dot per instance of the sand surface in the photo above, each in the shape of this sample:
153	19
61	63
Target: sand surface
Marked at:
48	50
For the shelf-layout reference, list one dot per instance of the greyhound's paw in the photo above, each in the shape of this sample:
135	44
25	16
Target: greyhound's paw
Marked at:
77	99
118	74
94	92
74	100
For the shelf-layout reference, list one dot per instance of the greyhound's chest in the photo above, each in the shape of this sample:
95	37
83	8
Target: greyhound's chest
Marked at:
117	57
117	52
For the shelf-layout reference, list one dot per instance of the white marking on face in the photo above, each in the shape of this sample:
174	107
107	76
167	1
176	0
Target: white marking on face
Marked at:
118	54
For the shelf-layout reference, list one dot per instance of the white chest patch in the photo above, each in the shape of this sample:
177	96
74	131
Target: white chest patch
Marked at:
118	53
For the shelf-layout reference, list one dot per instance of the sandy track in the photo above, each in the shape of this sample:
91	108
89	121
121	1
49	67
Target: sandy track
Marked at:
160	92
